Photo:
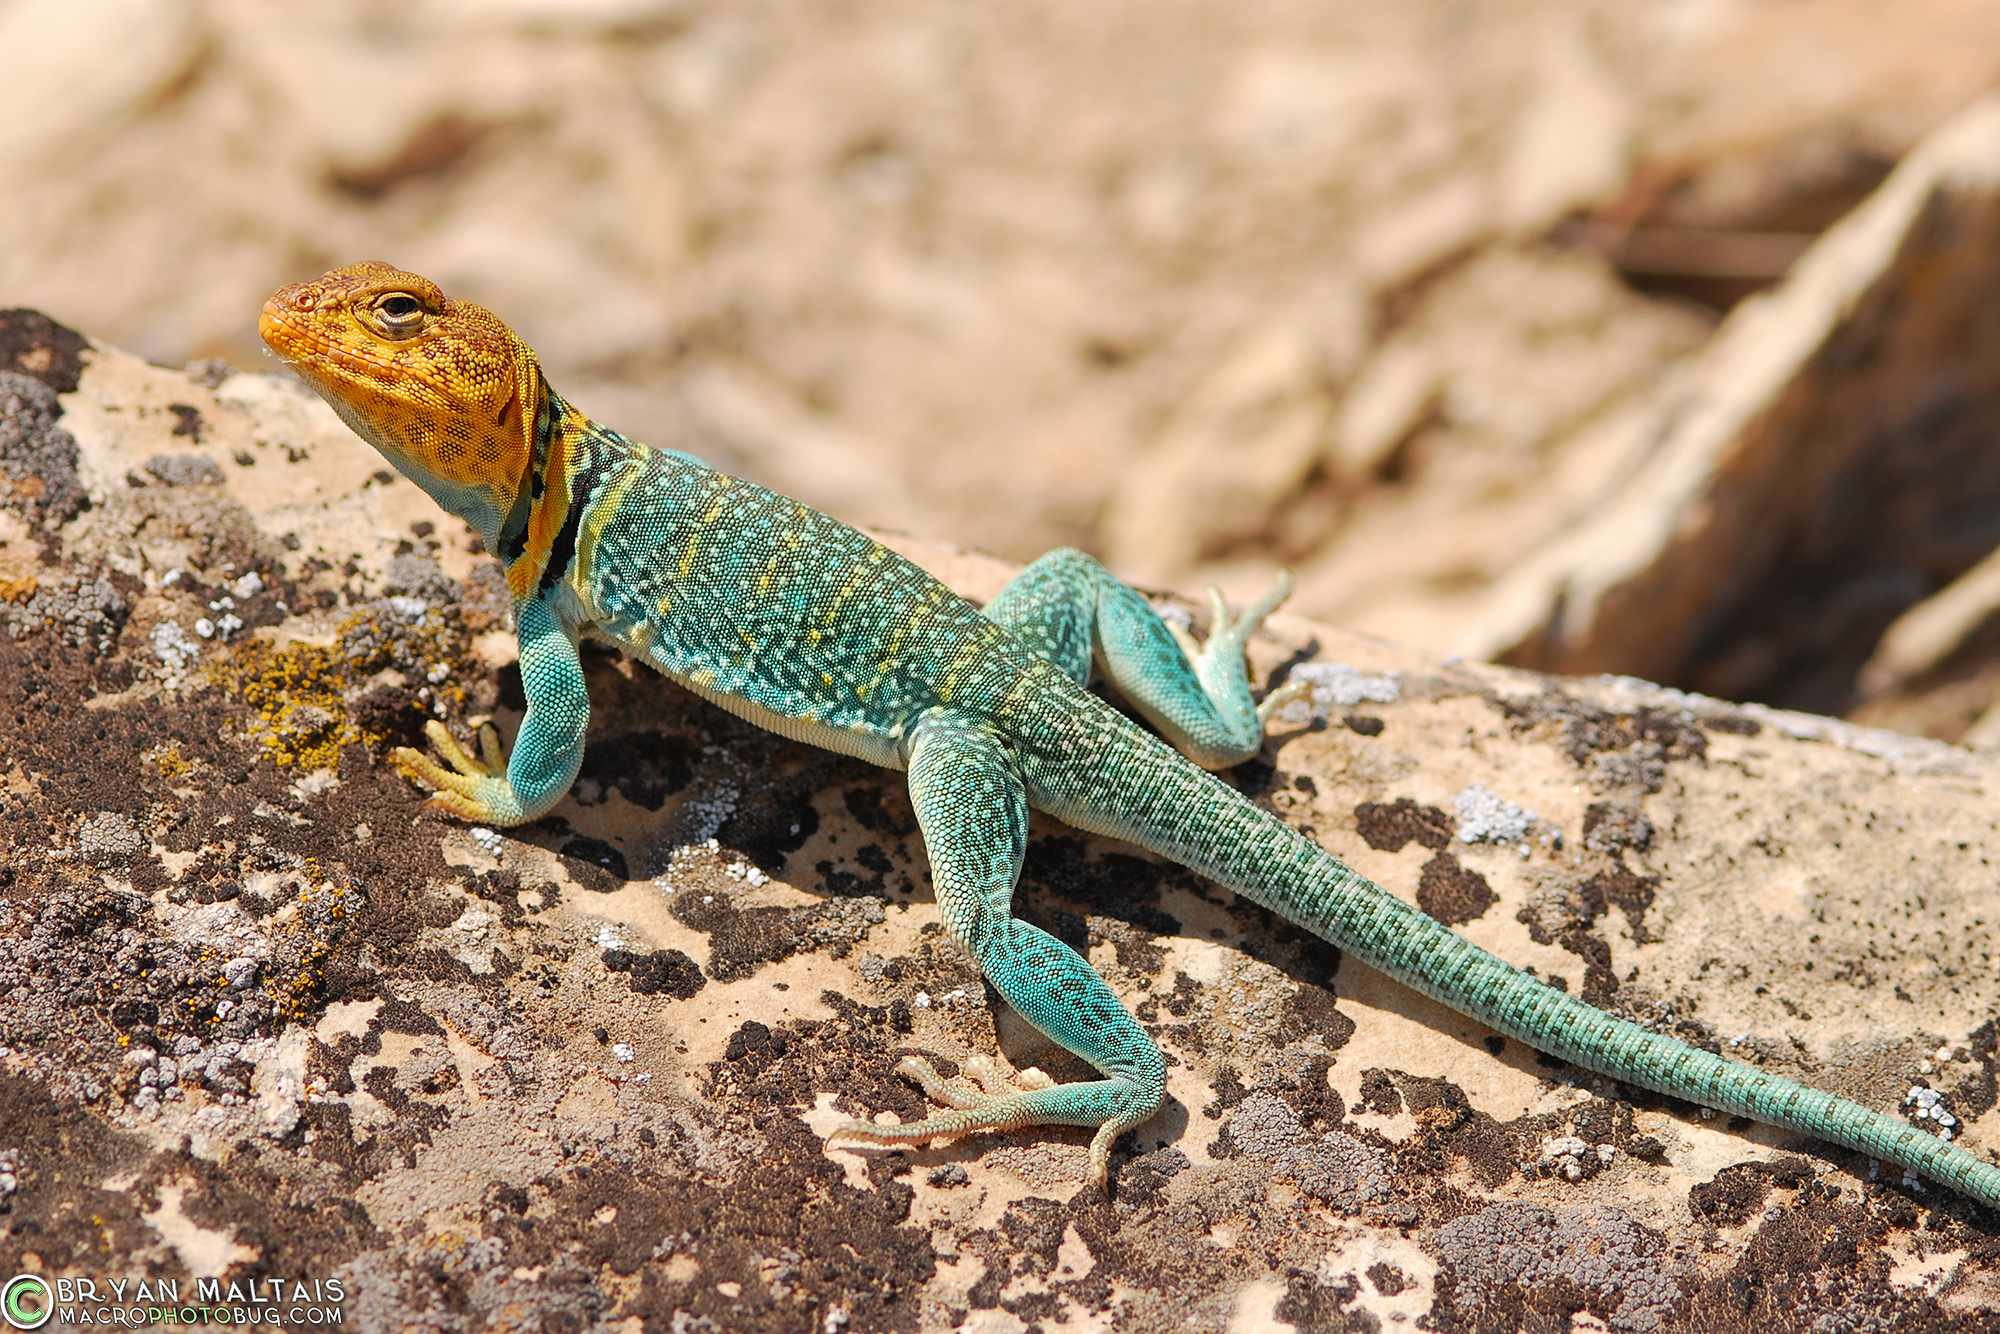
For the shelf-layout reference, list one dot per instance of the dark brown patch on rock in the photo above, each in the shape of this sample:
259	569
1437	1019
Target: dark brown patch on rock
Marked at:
1819	1254
1628	751
1731	1196
882	808
1450	1128
1116	884
1451	893
742	940
1388	828
1387	1279
595	864
394	714
1313	1011
33	344
662	972
1379	1094
1620	888
1313	1303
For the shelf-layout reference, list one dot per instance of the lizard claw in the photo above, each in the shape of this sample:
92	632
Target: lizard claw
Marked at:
1008	1100
474	787
1291	691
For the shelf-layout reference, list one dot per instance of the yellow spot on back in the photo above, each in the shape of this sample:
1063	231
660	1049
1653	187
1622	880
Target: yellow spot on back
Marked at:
596	519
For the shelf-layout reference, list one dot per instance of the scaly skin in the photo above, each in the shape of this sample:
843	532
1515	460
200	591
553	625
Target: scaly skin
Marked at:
806	626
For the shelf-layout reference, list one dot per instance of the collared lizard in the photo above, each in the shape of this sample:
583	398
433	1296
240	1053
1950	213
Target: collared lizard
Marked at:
803	625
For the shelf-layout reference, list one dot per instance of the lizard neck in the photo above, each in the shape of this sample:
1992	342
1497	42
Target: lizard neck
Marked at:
537	540
509	539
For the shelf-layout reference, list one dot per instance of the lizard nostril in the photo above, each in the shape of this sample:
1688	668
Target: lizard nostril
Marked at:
305	300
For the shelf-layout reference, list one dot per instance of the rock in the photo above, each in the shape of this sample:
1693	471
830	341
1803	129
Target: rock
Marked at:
1384	404
1293	106
1415	234
1001	299
784	446
77	86
1818	468
1802	893
1924	637
1569	149
1935	671
1242	443
1488	421
602	15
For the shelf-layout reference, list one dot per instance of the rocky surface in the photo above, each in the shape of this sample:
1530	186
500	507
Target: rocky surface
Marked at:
262	1018
1822	465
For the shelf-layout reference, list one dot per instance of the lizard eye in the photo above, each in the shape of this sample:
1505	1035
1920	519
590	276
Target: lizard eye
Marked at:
396	314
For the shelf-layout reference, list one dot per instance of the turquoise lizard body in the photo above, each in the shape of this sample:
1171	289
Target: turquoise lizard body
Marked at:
806	626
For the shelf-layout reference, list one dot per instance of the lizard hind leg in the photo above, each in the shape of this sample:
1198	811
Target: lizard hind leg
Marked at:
973	811
1069	609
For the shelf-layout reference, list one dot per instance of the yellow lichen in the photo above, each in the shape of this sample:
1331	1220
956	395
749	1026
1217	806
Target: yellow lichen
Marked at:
296	694
299	694
169	761
298	995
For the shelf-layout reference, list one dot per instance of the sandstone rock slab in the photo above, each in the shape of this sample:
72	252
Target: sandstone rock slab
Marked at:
260	1016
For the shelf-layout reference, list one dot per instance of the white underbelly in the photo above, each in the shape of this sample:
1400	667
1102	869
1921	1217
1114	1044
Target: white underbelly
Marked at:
870	746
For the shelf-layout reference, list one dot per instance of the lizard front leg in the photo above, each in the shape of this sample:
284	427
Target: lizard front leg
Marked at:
547	753
973	810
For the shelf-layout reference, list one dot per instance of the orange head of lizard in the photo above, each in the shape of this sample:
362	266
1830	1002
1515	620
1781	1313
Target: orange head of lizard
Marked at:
441	387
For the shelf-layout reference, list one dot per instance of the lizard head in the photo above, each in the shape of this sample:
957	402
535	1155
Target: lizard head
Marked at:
445	390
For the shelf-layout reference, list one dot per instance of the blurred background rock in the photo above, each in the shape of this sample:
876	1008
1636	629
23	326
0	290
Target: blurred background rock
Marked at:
1421	300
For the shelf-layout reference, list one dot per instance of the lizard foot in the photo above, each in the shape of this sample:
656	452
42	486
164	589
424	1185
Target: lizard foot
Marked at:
1003	1102
1228	636
474	788
1238	632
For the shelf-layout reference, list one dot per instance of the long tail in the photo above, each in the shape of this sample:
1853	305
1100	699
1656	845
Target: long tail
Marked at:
1214	830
